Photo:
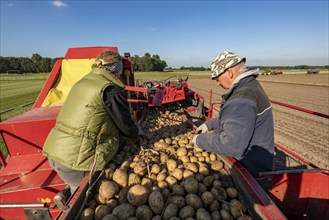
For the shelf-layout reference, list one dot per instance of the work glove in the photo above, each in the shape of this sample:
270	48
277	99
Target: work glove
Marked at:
202	129
194	140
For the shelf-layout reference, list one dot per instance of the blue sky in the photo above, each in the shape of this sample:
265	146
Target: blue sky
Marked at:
183	33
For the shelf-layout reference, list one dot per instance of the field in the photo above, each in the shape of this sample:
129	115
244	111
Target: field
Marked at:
306	135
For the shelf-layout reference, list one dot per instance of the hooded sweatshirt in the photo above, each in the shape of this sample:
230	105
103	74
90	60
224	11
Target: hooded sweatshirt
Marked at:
244	128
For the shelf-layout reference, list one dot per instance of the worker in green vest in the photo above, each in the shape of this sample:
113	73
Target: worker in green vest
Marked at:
86	134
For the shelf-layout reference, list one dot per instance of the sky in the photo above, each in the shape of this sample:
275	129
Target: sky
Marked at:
183	33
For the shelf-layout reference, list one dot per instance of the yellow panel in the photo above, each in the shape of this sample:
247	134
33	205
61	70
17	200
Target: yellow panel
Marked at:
72	70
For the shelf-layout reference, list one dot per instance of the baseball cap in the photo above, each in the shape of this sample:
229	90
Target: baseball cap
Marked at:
224	61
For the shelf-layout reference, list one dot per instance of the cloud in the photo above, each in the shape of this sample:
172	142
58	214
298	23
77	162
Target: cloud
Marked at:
59	3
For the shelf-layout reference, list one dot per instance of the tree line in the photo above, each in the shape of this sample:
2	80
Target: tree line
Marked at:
35	64
146	63
38	64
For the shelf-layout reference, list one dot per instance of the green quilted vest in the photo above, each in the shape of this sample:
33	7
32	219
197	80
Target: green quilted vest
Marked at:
84	133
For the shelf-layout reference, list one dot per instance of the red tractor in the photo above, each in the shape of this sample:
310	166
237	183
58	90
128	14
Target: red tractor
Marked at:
28	184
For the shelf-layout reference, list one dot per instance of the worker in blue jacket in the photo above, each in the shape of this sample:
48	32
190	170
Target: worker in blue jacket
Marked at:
244	128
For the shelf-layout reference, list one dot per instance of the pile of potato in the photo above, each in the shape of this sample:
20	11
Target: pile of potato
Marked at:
165	177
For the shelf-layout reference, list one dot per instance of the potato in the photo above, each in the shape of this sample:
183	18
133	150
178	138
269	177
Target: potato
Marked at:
194	201
133	164
140	168
146	182
225	206
201	158
168	141
166	194
216	165
109	173
204	170
125	165
217	183
191	185
112	203
187	212
120	176
153	177
225	215
182	151
99	199
87	214
161	177
108	189
192	166
155	169
171	164
214	206
124	211
202	214
138	195
177	173
238	205
215	215
101	211
169	211
163	184
178	190
208	181
133	179
219	193
182	142
207	198
156	202
212	157
160	145
185	159
109	217
179	201
164	157
199	177
193	159
144	212
232	192
170	150
171	181
122	196
201	188
187	174
92	204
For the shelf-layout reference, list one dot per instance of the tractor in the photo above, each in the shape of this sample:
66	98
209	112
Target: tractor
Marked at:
28	183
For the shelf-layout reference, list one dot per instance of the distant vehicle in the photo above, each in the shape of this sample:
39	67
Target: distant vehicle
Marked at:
313	71
266	72
276	72
273	72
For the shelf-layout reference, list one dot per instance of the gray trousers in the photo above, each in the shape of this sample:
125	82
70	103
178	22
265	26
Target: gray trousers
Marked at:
72	178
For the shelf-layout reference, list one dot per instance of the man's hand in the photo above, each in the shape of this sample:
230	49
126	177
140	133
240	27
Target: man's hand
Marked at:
202	129
194	140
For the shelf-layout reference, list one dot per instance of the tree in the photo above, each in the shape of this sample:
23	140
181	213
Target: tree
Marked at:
27	65
4	64
36	57
44	65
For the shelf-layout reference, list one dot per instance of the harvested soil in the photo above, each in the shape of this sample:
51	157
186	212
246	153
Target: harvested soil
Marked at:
307	135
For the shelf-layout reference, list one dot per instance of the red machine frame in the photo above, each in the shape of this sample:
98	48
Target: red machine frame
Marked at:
28	184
